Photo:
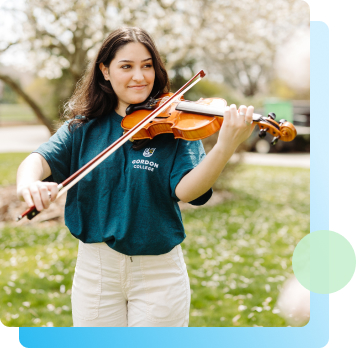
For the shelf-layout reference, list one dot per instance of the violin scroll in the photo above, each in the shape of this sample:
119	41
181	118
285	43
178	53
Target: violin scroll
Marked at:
282	130
288	131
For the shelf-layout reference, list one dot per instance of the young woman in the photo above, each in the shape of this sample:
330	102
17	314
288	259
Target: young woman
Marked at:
130	269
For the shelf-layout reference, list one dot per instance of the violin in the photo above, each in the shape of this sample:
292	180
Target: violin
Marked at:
196	120
172	114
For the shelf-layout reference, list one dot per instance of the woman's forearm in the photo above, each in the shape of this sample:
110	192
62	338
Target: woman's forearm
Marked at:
30	170
202	177
236	128
29	187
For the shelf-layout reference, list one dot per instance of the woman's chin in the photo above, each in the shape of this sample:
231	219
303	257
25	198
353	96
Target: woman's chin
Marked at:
138	100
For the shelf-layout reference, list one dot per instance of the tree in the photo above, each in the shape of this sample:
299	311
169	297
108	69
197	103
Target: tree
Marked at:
245	38
235	40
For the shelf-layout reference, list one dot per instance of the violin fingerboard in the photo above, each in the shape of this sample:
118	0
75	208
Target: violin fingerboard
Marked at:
206	110
199	109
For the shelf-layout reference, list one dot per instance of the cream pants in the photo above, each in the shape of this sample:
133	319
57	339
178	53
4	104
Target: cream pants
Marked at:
111	289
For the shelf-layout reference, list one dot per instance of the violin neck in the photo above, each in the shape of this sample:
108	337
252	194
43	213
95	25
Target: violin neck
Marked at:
206	110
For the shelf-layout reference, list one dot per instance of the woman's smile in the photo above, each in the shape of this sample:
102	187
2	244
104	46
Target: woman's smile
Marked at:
137	87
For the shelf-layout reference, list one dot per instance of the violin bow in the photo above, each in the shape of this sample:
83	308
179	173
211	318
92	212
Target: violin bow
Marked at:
63	187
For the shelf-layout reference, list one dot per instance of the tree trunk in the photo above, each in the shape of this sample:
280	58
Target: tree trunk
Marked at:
33	105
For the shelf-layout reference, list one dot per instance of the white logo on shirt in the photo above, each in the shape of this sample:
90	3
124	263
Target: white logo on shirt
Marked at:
145	164
149	152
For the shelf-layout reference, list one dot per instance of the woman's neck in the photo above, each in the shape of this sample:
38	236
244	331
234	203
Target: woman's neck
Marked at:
121	109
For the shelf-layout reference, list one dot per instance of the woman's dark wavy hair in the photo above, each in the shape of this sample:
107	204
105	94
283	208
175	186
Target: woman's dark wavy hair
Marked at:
94	97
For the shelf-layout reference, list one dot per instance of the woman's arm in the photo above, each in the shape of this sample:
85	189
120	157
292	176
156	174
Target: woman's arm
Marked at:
235	129
29	186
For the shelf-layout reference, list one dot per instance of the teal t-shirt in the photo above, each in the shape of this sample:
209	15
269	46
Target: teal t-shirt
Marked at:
127	201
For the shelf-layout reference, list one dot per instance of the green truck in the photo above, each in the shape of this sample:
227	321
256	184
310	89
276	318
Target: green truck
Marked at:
294	111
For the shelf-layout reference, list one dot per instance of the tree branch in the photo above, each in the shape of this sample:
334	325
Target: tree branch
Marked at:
8	46
33	105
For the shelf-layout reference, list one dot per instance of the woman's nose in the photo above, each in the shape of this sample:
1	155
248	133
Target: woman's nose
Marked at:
137	76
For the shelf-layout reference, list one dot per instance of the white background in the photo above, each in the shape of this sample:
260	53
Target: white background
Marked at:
341	20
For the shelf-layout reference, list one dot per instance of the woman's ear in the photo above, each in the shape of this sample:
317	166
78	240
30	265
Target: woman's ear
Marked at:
105	71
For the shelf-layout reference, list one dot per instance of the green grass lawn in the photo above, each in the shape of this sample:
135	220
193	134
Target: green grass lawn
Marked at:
9	163
36	268
16	113
238	255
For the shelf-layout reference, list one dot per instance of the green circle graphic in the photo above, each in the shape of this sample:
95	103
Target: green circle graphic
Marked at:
324	262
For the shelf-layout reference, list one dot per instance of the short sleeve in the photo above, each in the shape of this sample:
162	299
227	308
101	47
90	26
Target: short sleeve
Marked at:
189	154
57	152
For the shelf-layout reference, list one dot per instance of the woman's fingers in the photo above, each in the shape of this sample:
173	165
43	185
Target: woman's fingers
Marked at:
242	111
40	194
234	114
44	196
227	115
27	197
242	114
249	114
53	188
238	117
236	128
36	196
246	114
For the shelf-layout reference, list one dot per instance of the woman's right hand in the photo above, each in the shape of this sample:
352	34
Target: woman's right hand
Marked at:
40	194
236	128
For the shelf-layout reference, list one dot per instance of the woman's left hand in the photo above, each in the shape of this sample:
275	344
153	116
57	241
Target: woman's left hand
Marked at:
236	128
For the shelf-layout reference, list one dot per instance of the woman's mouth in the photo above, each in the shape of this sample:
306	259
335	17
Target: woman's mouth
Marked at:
137	87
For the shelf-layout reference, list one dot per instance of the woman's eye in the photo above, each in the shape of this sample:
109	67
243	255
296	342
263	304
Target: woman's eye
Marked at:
148	66
126	66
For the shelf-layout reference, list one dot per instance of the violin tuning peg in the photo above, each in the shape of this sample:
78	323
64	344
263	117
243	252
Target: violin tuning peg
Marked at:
282	121
262	133
274	141
272	115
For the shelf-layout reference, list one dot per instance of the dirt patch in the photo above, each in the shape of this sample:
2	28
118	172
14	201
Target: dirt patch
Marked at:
11	207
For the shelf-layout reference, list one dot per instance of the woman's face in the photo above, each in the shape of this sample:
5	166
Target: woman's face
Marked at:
131	74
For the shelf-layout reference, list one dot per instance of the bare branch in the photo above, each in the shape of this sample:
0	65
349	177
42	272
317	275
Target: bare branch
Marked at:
9	45
33	105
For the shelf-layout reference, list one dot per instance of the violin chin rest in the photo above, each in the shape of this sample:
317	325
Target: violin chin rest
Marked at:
148	104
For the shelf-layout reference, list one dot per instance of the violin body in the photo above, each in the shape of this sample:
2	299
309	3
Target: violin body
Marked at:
196	120
183	125
195	126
